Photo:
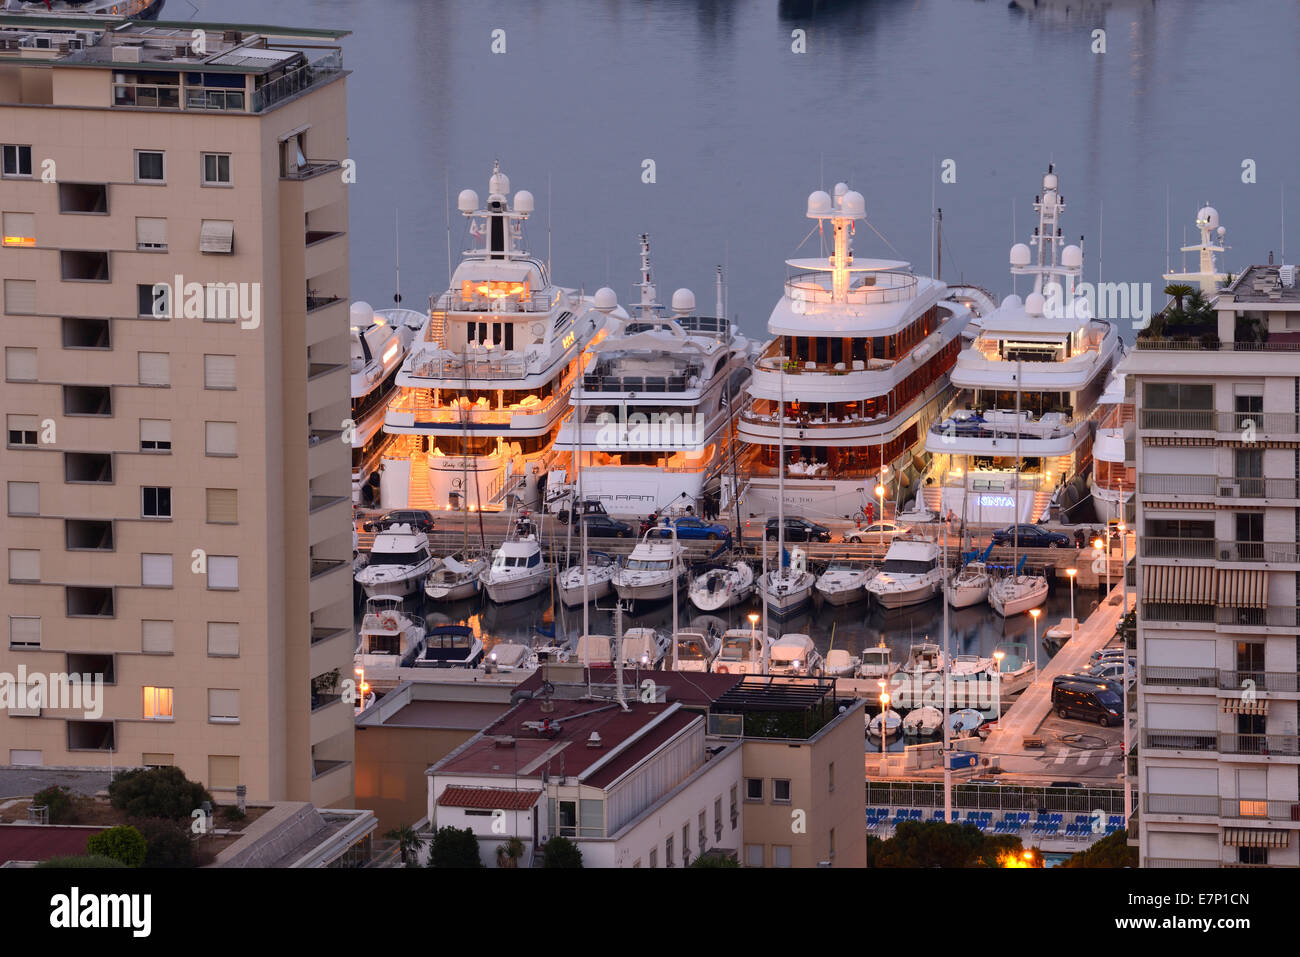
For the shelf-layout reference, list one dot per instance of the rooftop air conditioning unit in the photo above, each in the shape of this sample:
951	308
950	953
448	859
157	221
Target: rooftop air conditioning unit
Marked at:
126	54
1287	275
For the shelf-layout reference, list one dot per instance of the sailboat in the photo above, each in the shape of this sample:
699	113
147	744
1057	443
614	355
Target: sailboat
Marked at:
789	588
970	586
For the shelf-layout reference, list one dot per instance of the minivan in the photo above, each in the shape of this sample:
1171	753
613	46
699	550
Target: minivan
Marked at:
1084	677
1076	699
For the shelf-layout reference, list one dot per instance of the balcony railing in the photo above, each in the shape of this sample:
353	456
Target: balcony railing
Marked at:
1179	862
297	81
1152	546
1272	553
1183	677
313	167
813	288
1176	420
455	302
437	366
1274	616
1182	613
1280	681
775	363
1260	809
323	566
1181	804
1158	483
1212	345
1259	423
1284	744
1283	488
320	302
317	502
1180	740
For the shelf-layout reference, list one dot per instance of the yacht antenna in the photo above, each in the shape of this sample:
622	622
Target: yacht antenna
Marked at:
1168	268
397	254
938	240
618	655
934	247
446	186
548	224
720	308
1282	205
947	670
1100	213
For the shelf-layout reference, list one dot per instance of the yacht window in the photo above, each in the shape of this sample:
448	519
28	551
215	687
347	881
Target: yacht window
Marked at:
735	649
905	566
534	560
646	565
690	651
396	558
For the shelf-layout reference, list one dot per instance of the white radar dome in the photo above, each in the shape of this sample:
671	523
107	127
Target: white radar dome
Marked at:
499	183
684	301
523	201
1020	255
853	204
362	314
1071	257
1034	303
606	299
1012	302
1049	181
819	203
1208	216
1221	231
468	201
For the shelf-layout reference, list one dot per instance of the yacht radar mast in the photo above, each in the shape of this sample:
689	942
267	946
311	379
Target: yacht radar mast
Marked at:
1207	221
847	206
501	226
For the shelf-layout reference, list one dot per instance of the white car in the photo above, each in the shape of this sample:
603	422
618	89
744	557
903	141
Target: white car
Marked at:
874	533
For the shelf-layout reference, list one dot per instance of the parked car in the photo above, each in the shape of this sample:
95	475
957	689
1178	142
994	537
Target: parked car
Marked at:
1030	536
689	527
590	506
1075	699
1085	678
798	530
874	533
600	525
417	518
1113	669
1106	653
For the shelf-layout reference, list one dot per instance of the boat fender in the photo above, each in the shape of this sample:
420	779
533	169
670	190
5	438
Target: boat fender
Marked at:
722	670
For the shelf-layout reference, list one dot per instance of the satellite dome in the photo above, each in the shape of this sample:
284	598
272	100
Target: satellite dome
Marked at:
1208	216
606	299
1071	257
684	301
468	201
819	203
841	189
1020	255
362	314
1034	303
853	205
523	201
1049	181
1221	231
499	183
1012	302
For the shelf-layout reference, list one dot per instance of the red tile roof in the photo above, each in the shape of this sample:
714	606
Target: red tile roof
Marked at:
488	798
40	842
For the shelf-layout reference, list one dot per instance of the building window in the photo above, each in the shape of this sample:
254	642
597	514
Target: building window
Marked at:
23	430
1252	855
223	705
84	265
223	572
157	637
223	506
753	789
88	468
735	808
568	819
15	160
87	601
222	438
219	372
20	296
668	851
148	88
223	639
223	772
780	855
155	571
157	703
83	198
217	236
155	435
654	857
216	169
153	303
24	564
156	760
88	400
156	501
24	498
149	166
150	234
87	534
20	364
81	333
24	632
781	790
19	229
753	855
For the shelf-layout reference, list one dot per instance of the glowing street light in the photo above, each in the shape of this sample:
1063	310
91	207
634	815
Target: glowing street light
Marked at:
884	731
1034	613
1072	572
753	623
880	493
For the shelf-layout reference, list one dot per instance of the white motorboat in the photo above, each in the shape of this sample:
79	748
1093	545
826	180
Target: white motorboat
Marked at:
399	559
594	651
923	658
722	586
455	577
388	633
877	662
652	572
644	647
892	720
450	646
967	721
518	569
912	574
970	586
744	651
788	590
1056	636
965	666
845	581
597	571
1016	594
695	651
795	654
1016	670
509	656
923	721
840	664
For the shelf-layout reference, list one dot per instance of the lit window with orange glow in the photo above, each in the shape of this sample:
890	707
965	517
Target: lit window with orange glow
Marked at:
19	229
494	289
158	703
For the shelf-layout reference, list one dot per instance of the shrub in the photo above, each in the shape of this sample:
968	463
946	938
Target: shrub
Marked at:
157	792
561	852
167	843
81	861
59	800
124	844
453	847
231	812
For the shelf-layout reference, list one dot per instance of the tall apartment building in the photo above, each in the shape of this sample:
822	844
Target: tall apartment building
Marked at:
1217	449
178	496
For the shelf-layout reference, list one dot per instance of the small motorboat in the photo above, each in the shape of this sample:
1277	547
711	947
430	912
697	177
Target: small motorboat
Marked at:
912	574
695	650
925	721
509	656
722	586
450	646
518	568
653	572
388	633
1056	636
454	578
744	651
1017	667
924	657
965	721
845	581
597	572
840	664
893	722
644	647
795	654
877	662
399	561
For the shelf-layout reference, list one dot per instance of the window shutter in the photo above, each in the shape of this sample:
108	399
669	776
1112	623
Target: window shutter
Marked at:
20	296
223	771
157	637
24	498
24	423
25	632
222	438
155	368
217	236
223	506
223	571
223	703
223	639
155	430
156	570
20	364
218	372
24	564
151	233
19	228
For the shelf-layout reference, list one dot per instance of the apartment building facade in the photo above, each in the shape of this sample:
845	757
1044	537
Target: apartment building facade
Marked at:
175	309
1217	451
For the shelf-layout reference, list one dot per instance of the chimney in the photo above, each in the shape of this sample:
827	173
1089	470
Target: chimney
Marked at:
594	741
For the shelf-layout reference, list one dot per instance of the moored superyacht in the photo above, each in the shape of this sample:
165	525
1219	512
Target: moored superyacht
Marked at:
860	361
380	342
488	379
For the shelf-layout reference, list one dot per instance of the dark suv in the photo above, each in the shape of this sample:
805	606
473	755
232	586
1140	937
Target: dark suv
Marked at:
589	507
600	525
797	530
417	518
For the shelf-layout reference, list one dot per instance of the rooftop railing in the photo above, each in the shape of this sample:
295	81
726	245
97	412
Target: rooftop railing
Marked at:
298	80
813	288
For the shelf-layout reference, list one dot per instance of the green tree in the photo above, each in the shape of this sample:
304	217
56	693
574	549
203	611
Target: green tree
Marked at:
1111	851
168	843
81	861
940	844
59	801
157	792
408	841
510	852
561	852
1178	292
715	860
454	847
123	843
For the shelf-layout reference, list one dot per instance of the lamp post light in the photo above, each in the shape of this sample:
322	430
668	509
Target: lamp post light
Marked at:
753	623
880	492
1071	572
1096	543
884	730
1123	569
1034	613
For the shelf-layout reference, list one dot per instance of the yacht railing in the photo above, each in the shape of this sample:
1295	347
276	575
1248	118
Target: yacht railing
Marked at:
775	363
813	287
592	382
454	302
444	366
420	403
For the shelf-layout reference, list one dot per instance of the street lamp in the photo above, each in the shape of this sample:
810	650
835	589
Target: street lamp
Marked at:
1096	543
1071	572
998	655
1123	567
753	623
880	493
1034	613
884	731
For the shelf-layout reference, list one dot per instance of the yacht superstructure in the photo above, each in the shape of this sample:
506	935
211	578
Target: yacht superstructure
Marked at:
657	404
488	380
380	342
1113	483
1022	423
860	362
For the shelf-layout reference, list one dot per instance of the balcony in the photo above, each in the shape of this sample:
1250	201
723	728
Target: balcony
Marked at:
1157	483
312	168
1285	682
1180	740
1259	809
1258	425
1267	553
1179	862
1176	614
307	76
323	566
1206	805
1261	488
1168	676
1287	745
1178	420
1151	546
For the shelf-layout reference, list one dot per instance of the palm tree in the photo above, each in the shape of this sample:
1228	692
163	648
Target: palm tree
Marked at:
408	842
509	853
1178	291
